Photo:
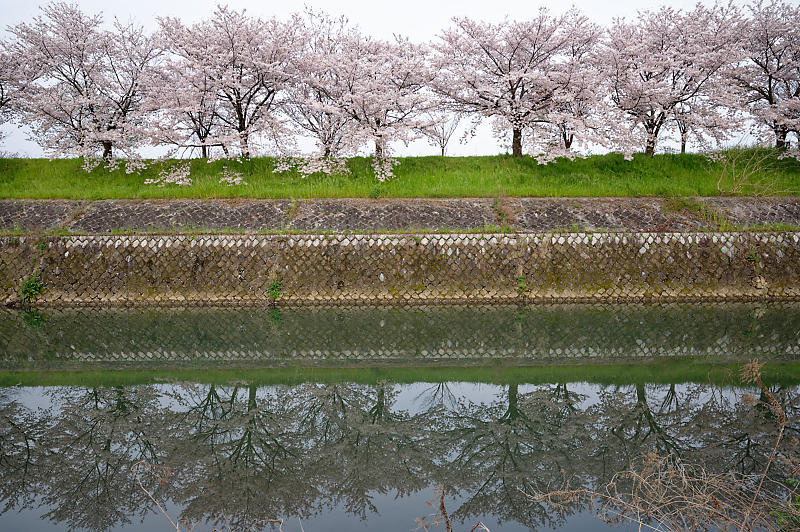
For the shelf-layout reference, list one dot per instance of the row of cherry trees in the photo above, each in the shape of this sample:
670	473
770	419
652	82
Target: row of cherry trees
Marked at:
556	84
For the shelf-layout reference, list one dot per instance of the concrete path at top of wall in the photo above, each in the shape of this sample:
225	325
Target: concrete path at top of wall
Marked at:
400	215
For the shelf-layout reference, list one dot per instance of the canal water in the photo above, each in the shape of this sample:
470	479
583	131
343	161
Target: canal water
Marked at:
352	419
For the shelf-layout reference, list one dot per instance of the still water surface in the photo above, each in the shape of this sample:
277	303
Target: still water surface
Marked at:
491	404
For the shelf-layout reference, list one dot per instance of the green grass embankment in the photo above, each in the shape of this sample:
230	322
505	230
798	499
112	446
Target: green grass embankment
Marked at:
424	177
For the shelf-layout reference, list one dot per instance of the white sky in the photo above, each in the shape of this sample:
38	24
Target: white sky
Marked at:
420	20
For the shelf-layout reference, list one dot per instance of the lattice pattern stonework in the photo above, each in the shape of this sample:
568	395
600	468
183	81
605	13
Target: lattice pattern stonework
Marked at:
292	269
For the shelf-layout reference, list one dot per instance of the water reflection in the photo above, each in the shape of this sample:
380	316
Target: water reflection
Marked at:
241	453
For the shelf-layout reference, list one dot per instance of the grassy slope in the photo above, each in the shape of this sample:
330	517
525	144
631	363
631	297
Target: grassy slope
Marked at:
602	175
664	371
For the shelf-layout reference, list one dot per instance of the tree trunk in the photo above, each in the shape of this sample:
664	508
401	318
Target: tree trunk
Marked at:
516	142
650	149
245	144
378	141
225	151
326	152
641	395
513	397
204	151
683	129
652	128
512	412
780	137
251	397
380	410
107	150
443	148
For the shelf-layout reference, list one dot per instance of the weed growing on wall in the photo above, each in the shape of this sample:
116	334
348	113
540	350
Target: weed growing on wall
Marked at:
30	290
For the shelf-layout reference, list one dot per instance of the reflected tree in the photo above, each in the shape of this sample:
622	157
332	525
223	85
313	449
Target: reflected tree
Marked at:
20	457
91	440
367	445
511	446
241	454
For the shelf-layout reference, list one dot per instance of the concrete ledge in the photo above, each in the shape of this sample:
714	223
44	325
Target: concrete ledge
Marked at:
180	216
402	269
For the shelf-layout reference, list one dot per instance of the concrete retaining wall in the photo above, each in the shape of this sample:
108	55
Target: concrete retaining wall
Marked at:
334	269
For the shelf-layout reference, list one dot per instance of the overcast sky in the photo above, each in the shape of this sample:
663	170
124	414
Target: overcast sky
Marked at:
420	20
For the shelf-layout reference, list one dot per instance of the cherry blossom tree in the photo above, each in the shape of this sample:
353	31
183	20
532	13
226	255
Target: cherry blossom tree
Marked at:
502	71
15	75
768	80
246	60
440	127
315	95
380	87
6	80
12	80
88	91
711	117
182	100
385	84
578	116
665	59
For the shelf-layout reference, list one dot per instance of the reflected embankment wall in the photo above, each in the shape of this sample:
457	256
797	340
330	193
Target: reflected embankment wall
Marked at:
387	336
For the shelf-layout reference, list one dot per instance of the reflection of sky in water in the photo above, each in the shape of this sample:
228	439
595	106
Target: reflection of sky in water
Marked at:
33	520
411	404
394	515
412	398
33	397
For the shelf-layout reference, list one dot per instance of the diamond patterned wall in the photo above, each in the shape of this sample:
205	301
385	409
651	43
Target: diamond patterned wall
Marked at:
334	269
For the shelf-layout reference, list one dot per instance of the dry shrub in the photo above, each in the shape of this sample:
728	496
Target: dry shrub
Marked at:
661	493
441	517
749	172
666	494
